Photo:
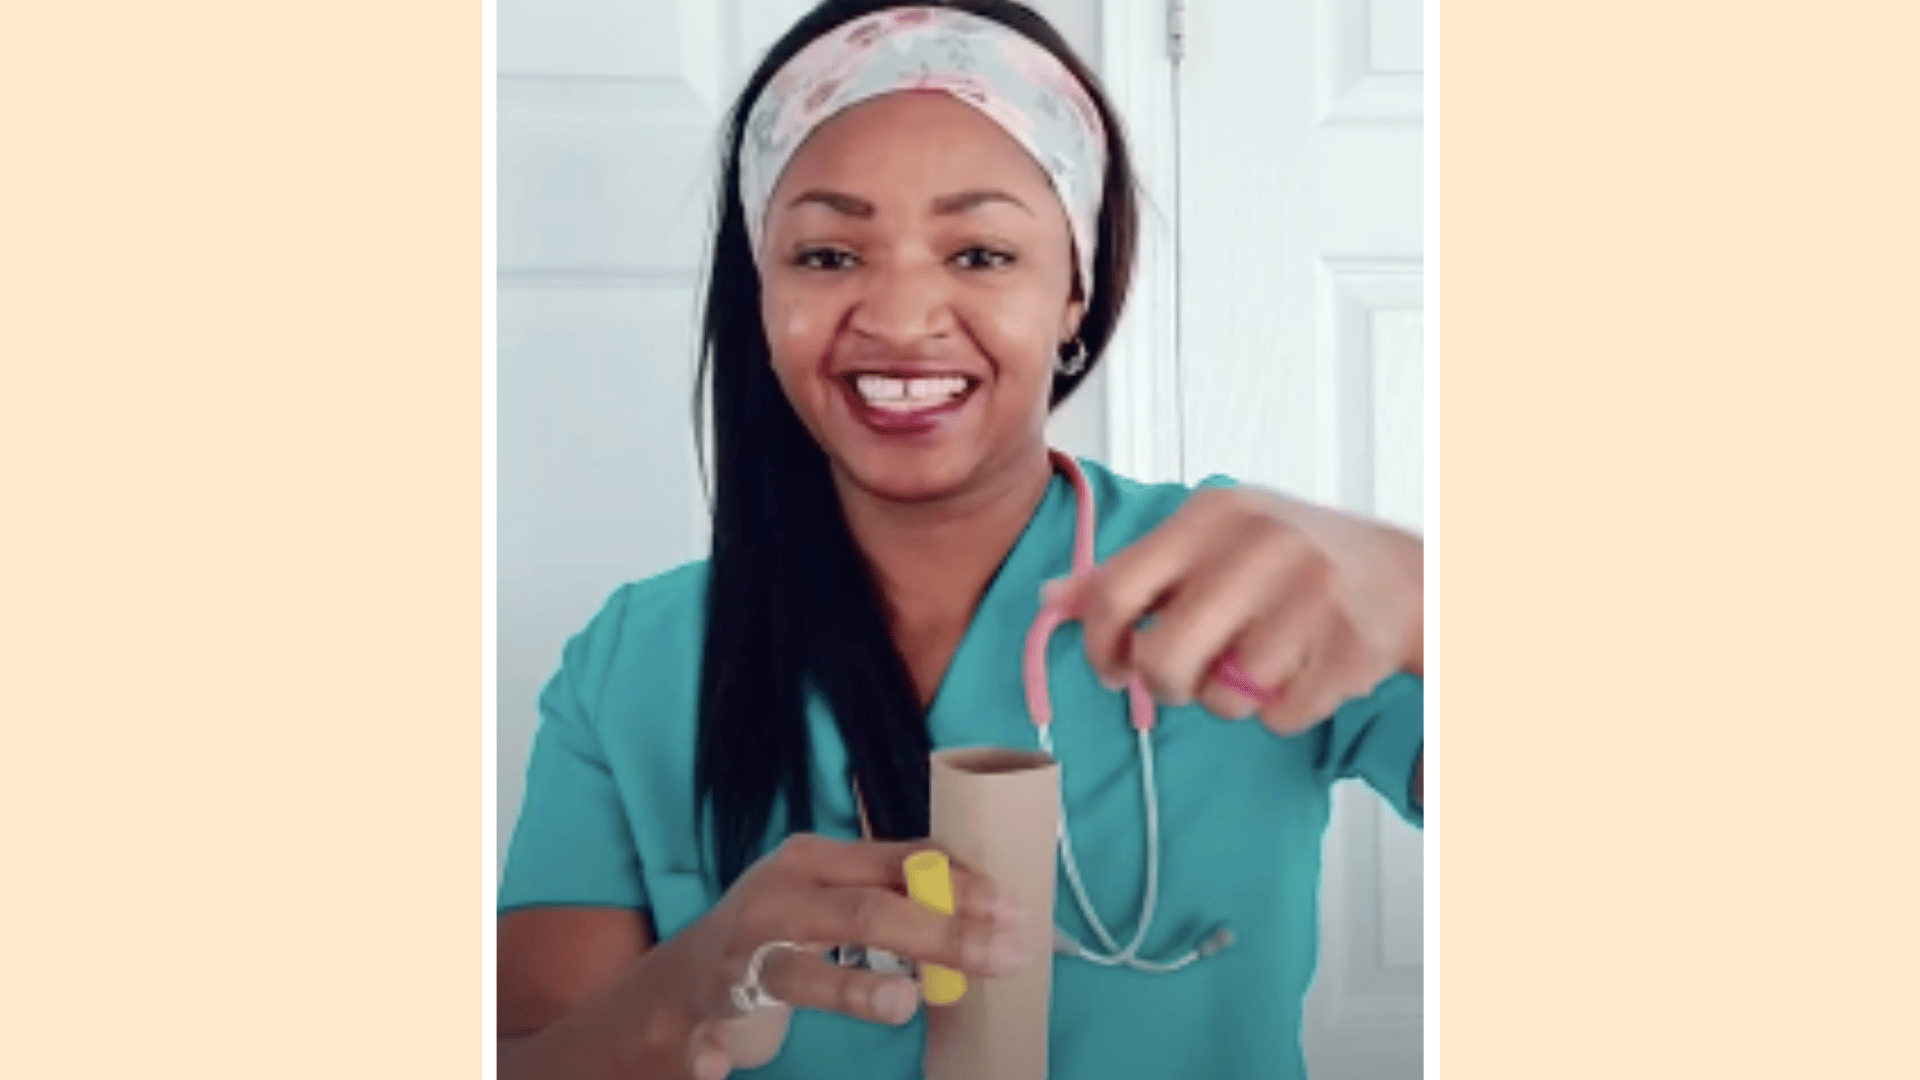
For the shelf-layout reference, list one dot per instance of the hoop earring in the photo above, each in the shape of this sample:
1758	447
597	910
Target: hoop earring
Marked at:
1074	362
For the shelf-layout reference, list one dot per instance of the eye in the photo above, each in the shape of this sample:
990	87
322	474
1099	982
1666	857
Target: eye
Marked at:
983	258
824	258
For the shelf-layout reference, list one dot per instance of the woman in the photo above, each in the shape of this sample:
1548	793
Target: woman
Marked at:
925	240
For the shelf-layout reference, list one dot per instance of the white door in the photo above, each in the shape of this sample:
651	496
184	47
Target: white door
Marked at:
607	109
1298	126
609	119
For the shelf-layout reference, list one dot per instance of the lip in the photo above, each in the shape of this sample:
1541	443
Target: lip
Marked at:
894	423
904	370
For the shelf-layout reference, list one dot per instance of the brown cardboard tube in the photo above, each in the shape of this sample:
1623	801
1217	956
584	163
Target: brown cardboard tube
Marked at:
998	812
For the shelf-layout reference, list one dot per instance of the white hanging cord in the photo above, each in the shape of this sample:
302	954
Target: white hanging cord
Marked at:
1072	868
1115	956
1150	795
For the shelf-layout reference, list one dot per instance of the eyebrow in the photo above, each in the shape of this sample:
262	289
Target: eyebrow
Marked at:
854	206
850	205
961	202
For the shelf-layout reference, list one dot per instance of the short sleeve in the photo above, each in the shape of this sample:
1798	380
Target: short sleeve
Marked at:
572	846
1378	739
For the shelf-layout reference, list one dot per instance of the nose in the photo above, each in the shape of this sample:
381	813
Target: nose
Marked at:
904	307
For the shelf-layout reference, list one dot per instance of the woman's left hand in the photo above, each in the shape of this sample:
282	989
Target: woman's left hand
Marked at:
1316	605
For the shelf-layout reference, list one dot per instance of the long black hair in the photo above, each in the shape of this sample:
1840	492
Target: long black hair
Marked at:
791	600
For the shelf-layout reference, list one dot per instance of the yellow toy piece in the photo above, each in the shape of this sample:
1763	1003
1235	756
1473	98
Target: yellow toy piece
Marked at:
930	884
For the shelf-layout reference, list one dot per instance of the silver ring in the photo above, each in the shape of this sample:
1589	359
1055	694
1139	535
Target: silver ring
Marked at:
847	956
862	958
749	996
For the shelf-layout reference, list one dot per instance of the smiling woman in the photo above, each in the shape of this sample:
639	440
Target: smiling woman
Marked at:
924	243
917	291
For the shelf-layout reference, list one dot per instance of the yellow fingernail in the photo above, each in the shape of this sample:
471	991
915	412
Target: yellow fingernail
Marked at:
930	884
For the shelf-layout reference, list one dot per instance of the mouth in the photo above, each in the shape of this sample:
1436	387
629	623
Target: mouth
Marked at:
909	393
907	403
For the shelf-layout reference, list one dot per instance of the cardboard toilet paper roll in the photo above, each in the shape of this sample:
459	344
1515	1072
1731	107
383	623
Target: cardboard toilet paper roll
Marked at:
998	811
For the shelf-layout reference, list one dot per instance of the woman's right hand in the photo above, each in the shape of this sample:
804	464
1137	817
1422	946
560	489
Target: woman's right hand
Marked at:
821	893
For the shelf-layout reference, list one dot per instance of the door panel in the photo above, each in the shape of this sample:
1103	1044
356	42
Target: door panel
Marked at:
657	41
620	170
1370	52
1300	262
607	117
597	478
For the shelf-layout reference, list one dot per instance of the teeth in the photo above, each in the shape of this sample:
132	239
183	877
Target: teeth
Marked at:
884	392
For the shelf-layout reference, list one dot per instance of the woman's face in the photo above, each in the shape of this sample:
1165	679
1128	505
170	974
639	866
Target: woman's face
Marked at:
917	283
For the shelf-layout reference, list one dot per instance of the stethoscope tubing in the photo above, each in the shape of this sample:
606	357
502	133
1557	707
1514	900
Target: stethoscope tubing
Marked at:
1141	710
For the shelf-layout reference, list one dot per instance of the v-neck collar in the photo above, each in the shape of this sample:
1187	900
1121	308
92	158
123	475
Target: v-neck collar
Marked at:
995	635
967	710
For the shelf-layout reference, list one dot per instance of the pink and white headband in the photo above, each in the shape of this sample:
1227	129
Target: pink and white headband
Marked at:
997	70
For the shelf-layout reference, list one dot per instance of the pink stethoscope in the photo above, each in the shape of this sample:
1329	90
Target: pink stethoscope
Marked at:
1142	711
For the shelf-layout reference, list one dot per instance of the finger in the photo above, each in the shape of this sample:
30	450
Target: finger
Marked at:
1206	612
807	981
706	1059
883	919
881	864
1274	652
1272	649
822	860
752	1040
1138	580
1119	594
1064	594
1069	595
1322	684
977	896
1352	671
1225	699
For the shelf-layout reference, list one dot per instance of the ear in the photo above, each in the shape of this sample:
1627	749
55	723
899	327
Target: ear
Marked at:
1076	310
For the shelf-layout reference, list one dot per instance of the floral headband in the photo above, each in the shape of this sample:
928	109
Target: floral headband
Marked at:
1015	82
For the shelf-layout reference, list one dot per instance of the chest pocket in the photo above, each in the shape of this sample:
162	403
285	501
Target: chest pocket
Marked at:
679	897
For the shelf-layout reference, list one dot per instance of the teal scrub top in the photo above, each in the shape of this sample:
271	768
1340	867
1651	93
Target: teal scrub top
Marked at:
607	817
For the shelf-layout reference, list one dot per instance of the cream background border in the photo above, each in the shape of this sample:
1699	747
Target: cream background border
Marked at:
1679	363
240	430
239	457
